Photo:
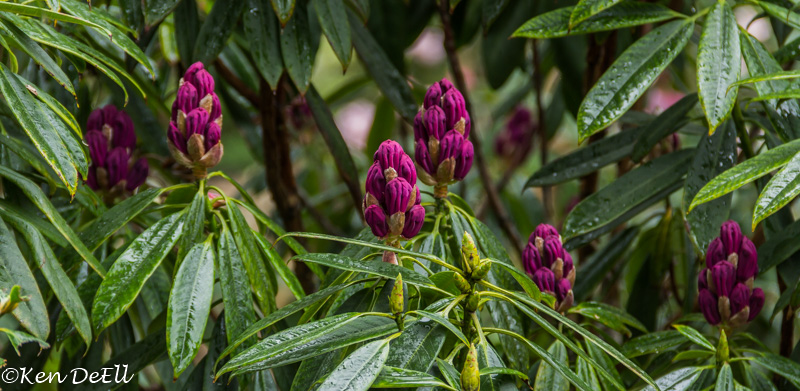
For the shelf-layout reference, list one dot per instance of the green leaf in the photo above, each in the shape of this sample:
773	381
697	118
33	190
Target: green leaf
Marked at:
779	247
417	348
156	10
392	377
115	218
613	317
679	379
187	25
587	159
715	154
524	281
62	286
235	286
189	305
783	366
32	313
390	81
725	380
491	10
782	75
309	340
719	63
787	16
586	372
601	262
694	336
193	226
280	266
631	75
296	49
606	363
18	338
71	141
21	9
216	29
41	201
336	144
32	49
271	224
332	17
555	24
662	126
446	323
12	58
781	190
655	342
257	272
371	267
359	369
547	377
262	32
132	269
37	127
626	192
780	95
746	172
588	8
283	9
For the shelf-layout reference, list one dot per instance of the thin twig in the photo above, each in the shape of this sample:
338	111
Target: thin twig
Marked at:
455	66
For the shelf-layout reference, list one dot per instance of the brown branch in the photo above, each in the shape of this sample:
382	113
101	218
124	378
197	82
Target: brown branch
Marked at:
455	66
237	83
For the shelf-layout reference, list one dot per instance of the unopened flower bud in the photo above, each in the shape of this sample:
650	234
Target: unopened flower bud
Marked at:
723	278
10	302
415	218
98	147
731	236
545	279
473	299
461	283
469	253
483	270
396	301
747	265
137	174
531	258
756	303
470	375
708	306
376	219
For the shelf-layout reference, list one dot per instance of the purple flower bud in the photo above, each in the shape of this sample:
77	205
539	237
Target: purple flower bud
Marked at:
419	126
137	174
552	251
406	170
748	261
189	75
543	231
389	154
723	276
216	107
423	158
91	178
756	303
451	145
204	83
196	122
176	137
117	165
376	183
740	298
708	305
531	259
433	96
701	280
101	116
415	217
455	109
124	136
446	85
568	265
464	160
398	193
715	252
545	280
185	101
731	236
98	147
376	220
435	123
213	135
562	289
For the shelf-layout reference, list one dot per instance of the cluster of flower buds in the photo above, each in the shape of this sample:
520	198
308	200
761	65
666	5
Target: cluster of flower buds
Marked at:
517	137
111	141
196	125
550	265
441	133
392	204
726	288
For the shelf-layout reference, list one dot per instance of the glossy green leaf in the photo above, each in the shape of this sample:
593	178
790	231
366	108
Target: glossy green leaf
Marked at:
547	377
359	369
250	255
27	10
13	63
781	190
283	9
779	247
392	377
17	338
193	226
555	24
631	75
662	126
715	154
719	64
11	212
446	323
32	49
780	95
286	274
390	81
30	155
725	380
132	269
272	225
41	201
216	29
309	340
263	33
694	336
655	342
375	267
586	372
588	8
57	108
296	49
606	363
783	14
156	10
332	16
783	366
626	192
782	75
115	218
336	144
235	285
189	305
746	172
678	379
524	281
587	159
32	313
613	317
601	262
417	348
71	141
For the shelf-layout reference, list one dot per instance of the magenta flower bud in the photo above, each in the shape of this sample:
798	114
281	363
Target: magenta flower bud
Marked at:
433	96
446	85
701	280
124	135
455	109
91	178
451	145
376	220
715	252
176	138
708	306
545	280
406	169
196	122
376	183
748	261
186	100
739	298
203	81
568	265
389	154
216	107
419	126
398	193
435	123
731	236
531	259
137	174
95	121
189	75
543	231
415	217
424	158
212	136
756	303
117	165
562	289
98	147
723	276
464	160
552	251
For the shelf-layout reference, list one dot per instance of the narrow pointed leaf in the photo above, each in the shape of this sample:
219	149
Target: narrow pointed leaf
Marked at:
32	313
286	274
17	338
613	317
653	343
235	287
781	365
719	63
446	323
417	348
332	16
725	380
392	377
250	255
263	33
32	49
662	126
359	369
781	190
679	379
27	10
283	9
694	336
371	267
296	49
588	8
216	29
547	378
115	218
156	10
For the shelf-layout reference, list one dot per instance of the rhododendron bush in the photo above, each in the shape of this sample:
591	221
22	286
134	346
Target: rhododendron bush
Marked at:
436	194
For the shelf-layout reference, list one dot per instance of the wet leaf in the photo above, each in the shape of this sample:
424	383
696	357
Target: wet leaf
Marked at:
725	380
694	336
588	8
547	378
613	317
375	267
263	33
235	285
779	191
719	63
359	369
283	9
655	342
296	49
417	348
391	377
332	16
662	126
216	29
